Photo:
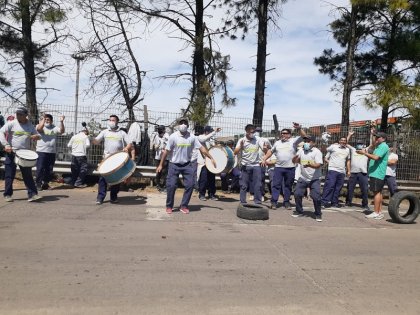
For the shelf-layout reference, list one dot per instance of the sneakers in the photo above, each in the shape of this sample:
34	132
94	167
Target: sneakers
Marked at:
99	201
273	205
337	206
296	214
366	209
184	210
318	218
114	201
8	198
80	186
287	205
34	198
169	210
375	215
263	198
214	198
349	205
202	198
325	205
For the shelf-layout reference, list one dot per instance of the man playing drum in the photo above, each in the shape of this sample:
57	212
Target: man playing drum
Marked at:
115	140
46	149
249	146
20	132
207	180
181	145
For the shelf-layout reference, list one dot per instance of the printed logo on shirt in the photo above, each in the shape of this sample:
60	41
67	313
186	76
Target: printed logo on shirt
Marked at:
22	133
113	138
183	144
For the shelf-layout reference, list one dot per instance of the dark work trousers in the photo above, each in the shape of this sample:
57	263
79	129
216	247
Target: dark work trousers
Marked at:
283	178
103	186
174	169
391	182
160	179
206	182
263	171
315	187
232	179
10	173
250	175
363	180
194	165
79	169
332	188
44	167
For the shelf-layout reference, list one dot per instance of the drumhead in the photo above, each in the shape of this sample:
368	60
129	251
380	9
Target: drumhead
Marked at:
219	155
112	162
26	154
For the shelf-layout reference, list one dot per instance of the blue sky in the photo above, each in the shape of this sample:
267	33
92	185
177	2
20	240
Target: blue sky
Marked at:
295	89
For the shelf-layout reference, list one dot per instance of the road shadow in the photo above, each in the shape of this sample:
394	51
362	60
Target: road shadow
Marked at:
52	198
130	200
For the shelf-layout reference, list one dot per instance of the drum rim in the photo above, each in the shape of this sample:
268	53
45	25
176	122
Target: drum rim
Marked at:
130	173
115	169
24	158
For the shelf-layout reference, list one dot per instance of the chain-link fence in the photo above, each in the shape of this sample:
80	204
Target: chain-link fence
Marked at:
405	141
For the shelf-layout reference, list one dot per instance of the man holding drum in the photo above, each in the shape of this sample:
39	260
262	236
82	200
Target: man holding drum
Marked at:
207	179
20	132
46	149
115	140
181	145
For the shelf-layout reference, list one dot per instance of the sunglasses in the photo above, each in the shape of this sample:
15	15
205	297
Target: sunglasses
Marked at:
285	133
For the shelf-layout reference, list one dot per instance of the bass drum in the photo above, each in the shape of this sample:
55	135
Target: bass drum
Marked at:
26	158
224	158
116	168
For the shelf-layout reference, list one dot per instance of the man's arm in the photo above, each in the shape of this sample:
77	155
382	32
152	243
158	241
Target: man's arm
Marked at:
40	126
239	147
162	160
267	155
206	153
61	124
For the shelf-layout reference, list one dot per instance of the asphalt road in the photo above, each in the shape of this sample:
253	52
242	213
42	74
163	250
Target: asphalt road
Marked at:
66	255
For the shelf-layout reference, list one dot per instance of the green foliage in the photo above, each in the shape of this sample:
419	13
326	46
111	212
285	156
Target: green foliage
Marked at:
387	58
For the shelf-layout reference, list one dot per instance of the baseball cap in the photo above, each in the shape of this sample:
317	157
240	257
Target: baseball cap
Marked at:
258	129
22	111
208	129
183	121
310	138
380	134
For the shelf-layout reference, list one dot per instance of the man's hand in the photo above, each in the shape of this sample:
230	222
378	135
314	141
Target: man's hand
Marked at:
361	152
62	118
296	125
34	137
351	132
159	169
308	164
218	129
213	161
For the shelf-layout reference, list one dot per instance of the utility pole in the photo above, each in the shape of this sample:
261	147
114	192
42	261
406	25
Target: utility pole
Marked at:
78	57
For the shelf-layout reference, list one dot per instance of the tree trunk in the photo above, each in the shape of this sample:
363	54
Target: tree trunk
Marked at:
28	60
200	99
348	82
257	117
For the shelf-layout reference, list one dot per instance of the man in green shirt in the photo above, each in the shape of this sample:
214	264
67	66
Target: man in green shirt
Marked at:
378	161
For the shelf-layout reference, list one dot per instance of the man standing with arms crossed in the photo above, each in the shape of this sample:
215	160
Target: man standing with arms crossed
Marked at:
377	171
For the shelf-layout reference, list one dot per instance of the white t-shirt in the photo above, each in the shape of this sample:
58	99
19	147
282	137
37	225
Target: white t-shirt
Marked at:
392	170
18	135
78	144
47	143
314	155
160	145
114	140
285	151
250	151
359	162
182	146
337	157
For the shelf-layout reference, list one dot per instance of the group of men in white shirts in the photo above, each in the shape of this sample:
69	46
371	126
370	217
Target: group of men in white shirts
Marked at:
183	153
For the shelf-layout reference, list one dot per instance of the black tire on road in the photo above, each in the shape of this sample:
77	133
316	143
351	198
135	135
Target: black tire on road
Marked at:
252	212
394	206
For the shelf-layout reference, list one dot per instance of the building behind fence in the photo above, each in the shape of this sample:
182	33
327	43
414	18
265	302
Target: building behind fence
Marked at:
401	136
